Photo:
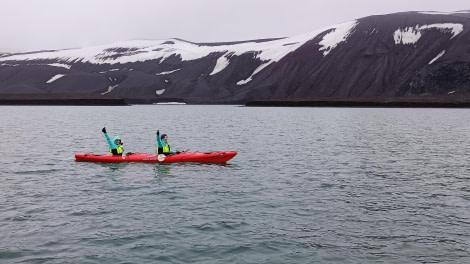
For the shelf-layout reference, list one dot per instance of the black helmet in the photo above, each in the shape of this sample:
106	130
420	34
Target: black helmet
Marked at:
162	136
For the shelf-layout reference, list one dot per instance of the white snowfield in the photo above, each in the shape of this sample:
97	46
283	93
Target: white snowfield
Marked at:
411	35
143	50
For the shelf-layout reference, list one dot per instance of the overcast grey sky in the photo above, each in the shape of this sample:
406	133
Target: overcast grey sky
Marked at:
27	25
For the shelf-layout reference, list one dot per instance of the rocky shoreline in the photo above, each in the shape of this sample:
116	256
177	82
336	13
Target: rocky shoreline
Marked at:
99	100
413	102
60	99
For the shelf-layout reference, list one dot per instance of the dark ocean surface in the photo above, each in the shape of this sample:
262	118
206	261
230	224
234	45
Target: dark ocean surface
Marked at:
309	185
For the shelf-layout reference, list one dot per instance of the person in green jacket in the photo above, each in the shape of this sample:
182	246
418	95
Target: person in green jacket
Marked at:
115	145
163	147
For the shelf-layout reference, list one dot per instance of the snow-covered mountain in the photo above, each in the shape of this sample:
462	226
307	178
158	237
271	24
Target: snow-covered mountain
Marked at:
402	54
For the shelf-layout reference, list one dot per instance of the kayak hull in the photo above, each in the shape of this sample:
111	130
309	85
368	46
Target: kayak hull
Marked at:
204	157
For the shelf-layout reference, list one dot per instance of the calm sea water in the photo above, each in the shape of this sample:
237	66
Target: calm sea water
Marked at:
309	185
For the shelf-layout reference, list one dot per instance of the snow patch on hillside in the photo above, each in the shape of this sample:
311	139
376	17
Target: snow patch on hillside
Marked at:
437	57
444	13
56	77
261	67
221	63
338	35
411	35
8	64
280	48
110	88
61	65
167	72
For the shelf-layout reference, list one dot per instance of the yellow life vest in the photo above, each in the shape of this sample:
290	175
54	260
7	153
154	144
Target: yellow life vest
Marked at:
119	149
165	149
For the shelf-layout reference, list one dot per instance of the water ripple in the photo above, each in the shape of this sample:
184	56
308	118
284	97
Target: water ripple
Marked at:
309	184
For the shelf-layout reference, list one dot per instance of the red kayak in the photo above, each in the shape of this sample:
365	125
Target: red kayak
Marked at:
207	157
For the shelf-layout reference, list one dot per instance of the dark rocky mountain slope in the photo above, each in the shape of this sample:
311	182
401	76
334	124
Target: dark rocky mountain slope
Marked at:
401	55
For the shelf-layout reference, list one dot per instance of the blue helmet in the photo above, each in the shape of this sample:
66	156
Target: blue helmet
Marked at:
116	138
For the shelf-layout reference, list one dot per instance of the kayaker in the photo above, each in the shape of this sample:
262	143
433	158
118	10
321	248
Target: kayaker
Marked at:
115	145
162	145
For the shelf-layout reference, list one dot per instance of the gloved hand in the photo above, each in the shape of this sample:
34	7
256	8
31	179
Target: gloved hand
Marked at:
103	130
158	132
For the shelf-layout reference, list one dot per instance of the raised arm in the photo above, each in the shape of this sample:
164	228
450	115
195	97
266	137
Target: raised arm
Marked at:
111	143
159	140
